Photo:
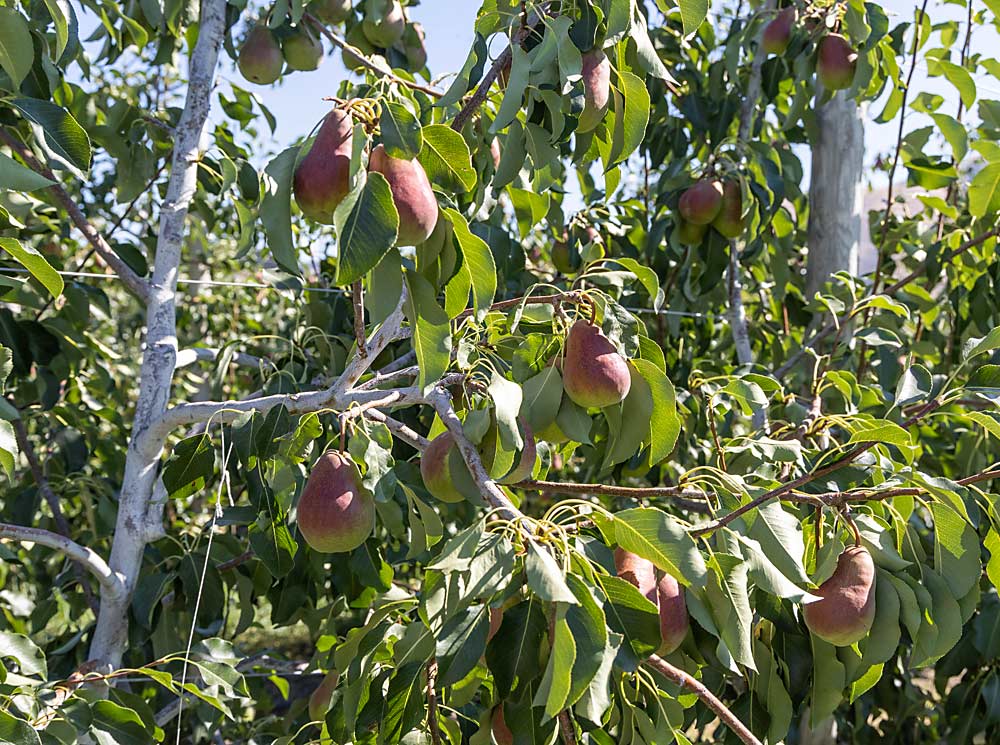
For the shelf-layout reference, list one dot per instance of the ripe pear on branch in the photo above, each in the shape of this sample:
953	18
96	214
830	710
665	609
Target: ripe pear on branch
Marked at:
596	74
836	62
846	609
700	203
321	698
666	594
729	221
260	59
302	49
387	30
778	33
331	12
412	194
323	177
336	513
595	375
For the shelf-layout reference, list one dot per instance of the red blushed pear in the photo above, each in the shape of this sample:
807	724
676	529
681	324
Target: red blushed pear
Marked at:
336	513
836	61
700	203
846	609
260	59
689	233
319	701
729	221
526	461
435	468
638	571
411	193
778	32
596	88
595	375
498	725
323	177
674	621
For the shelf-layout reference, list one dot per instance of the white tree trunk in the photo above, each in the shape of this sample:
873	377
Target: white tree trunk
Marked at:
835	191
139	515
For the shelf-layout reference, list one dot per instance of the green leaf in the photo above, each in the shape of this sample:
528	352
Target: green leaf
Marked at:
631	614
401	133
506	397
880	644
35	263
367	224
276	209
60	12
16	51
541	395
461	643
631	117
956	550
647	278
8	448
514	654
446	158
62	132
16	177
660	538
984	191
954	133
767	576
545	576
664	423
829	679
14	731
882	431
273	543
987	343
478	262
553	692
191	465
959	77
588	625
431	330
779	533
693	12
727	593
29	657
123	725
513	96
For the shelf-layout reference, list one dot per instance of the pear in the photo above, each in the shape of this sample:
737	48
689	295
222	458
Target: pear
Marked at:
701	203
336	513
435	468
835	63
331	12
729	221
323	177
356	38
319	701
689	233
637	570
260	59
596	88
302	49
412	194
673	613
594	374
846	609
389	29
778	32
413	47
498	725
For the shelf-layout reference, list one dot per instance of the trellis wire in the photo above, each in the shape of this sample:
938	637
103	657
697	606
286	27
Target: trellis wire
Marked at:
319	290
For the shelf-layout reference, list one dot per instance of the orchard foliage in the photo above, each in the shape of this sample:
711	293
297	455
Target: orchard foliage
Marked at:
526	516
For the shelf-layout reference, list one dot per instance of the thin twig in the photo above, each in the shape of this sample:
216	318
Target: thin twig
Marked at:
136	285
432	702
612	490
477	98
26	446
708	698
367	61
358	298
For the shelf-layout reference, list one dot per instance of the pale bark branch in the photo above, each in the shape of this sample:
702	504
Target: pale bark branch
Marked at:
191	355
111	584
136	513
491	493
135	284
708	698
400	430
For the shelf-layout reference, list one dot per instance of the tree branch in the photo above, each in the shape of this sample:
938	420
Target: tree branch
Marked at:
358	299
636	492
86	557
371	64
432	704
400	430
26	446
135	284
491	493
477	98
708	698
890	291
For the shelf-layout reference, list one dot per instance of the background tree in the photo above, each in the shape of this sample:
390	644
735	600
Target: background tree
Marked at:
382	442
